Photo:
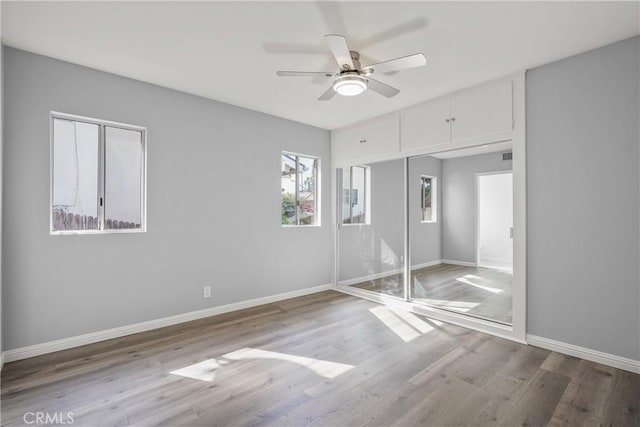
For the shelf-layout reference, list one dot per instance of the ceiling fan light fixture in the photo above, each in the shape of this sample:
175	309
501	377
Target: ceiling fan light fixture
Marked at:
350	84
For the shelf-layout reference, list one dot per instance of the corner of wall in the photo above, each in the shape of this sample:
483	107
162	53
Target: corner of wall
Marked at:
1	185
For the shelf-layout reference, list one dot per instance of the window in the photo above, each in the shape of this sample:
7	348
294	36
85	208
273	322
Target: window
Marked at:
97	176
355	197
300	190
429	198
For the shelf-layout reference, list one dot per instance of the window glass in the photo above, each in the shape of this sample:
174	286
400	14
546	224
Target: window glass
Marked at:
299	193
98	173
354	195
75	175
346	195
358	194
306	190
123	178
428	198
288	189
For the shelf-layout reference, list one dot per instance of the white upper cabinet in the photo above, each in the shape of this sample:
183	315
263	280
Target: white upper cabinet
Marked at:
426	125
367	142
471	117
466	116
483	111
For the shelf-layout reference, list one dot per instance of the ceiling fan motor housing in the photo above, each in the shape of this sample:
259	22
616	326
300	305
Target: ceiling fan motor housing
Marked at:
355	58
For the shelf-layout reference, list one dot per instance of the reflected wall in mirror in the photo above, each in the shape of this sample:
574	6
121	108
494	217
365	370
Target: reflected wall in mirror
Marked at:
460	231
371	234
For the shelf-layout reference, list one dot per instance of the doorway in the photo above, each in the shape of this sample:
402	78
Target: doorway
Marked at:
494	219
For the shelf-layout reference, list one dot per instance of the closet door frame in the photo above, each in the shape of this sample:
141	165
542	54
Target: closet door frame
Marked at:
517	330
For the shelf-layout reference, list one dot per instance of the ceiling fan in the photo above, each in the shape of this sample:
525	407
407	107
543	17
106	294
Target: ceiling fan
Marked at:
352	78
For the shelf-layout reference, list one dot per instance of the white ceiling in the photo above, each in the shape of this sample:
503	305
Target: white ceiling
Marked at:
230	51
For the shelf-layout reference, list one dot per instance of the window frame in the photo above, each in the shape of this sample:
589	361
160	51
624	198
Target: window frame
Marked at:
434	200
366	194
317	218
102	124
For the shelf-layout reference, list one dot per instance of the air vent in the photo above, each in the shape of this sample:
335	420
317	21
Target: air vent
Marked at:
507	156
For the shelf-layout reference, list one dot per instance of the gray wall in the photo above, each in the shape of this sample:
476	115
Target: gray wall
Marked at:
213	207
426	238
459	202
377	247
583	200
1	185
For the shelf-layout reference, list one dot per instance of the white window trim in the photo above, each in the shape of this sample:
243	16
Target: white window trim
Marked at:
318	215
434	200
367	196
143	199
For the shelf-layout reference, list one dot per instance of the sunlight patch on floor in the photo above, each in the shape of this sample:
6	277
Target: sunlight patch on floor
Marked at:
466	281
404	324
413	320
203	371
323	368
206	370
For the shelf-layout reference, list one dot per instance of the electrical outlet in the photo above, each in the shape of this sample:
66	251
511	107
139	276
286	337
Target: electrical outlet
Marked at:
206	292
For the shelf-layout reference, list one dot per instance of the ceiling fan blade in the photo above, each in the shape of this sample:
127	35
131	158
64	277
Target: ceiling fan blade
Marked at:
411	61
331	12
305	73
381	88
340	50
327	95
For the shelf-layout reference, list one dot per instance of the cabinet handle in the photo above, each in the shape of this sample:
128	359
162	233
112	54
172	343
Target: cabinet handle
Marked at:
453	119
447	120
362	141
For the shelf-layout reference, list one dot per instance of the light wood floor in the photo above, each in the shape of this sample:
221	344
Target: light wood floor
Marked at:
326	359
479	291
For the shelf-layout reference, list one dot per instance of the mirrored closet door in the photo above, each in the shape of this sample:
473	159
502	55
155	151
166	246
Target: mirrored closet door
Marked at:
457	207
460	231
371	234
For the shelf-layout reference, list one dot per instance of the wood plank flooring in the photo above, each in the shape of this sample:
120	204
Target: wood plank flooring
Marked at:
480	291
326	359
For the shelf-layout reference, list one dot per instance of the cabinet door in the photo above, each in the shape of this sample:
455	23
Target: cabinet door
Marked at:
373	139
484	111
426	124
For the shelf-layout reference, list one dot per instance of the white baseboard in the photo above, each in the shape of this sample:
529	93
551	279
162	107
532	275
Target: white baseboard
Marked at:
426	264
369	277
608	359
387	273
498	260
90	338
463	263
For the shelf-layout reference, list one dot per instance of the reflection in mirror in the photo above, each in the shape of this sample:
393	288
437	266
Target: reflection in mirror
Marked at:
354	194
460	231
371	236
